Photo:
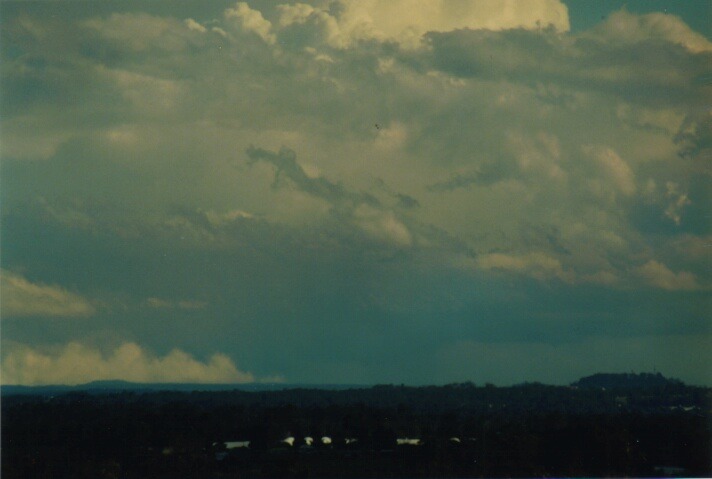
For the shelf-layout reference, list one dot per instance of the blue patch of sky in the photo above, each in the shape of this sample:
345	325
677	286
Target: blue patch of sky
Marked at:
584	14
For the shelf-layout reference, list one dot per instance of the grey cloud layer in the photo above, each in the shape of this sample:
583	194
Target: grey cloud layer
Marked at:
292	169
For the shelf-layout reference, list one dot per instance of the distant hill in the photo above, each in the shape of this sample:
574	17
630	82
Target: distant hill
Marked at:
112	386
596	381
626	381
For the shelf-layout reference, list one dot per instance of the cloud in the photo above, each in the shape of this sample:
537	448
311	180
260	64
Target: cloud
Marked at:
382	225
484	175
193	25
614	169
625	27
349	207
558	63
21	297
385	19
660	276
158	303
285	162
142	32
347	22
76	363
537	265
574	161
251	20
677	201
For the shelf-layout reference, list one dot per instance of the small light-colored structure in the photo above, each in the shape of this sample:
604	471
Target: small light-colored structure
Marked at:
455	440
405	441
326	440
288	441
236	444
350	440
309	440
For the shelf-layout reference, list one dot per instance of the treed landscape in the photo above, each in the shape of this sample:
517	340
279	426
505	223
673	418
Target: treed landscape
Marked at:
602	425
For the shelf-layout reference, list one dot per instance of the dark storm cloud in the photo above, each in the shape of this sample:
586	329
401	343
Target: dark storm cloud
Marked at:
487	174
285	162
650	71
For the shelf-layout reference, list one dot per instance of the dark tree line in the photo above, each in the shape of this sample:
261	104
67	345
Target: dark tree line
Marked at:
529	430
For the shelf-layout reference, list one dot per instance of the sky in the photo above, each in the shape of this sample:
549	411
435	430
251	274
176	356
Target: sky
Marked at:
355	192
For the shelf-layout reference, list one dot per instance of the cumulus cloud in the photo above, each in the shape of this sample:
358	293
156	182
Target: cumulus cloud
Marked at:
626	27
677	200
218	219
193	25
76	363
385	19
251	20
21	297
536	264
383	225
557	64
614	169
141	32
660	276
386	143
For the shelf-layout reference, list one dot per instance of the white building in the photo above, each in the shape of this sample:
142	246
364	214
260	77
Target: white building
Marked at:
405	441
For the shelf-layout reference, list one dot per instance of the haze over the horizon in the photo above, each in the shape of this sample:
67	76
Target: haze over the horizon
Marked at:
355	191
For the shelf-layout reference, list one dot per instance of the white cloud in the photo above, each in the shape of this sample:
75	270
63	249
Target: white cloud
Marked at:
538	157
193	25
677	201
148	94
660	276
614	168
20	297
76	363
407	20
251	20
142	32
220	219
296	13
391	136
537	265
623	26
382	225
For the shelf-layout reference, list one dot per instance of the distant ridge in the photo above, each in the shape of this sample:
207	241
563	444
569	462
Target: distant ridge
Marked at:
626	381
111	386
597	381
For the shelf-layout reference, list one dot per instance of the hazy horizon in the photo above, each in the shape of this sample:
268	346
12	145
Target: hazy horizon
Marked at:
355	192
278	385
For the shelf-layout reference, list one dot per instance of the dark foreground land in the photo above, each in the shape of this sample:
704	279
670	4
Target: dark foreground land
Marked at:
605	425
